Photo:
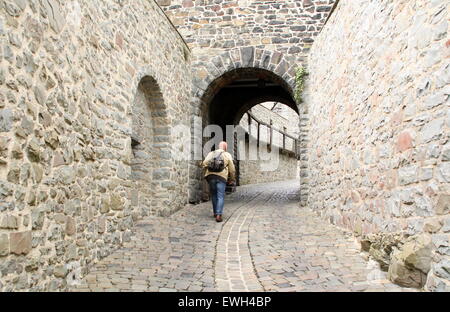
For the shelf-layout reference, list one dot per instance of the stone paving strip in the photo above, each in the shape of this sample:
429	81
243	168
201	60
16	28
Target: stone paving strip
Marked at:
266	243
234	267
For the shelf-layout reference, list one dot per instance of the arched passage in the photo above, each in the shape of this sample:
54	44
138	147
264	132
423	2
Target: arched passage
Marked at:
150	144
231	84
234	93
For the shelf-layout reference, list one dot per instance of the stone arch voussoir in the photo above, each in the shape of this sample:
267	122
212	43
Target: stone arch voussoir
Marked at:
278	63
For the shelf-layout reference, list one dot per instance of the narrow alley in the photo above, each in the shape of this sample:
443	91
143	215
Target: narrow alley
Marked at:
267	243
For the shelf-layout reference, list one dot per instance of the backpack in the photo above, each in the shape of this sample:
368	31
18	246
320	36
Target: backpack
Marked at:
217	163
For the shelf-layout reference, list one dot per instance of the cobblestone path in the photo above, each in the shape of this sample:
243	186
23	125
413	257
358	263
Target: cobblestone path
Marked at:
266	243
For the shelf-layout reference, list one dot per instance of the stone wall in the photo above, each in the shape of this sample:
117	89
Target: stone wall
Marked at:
254	171
211	26
69	77
283	118
378	99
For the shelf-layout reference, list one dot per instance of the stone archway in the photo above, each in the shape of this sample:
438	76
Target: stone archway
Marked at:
236	91
150	144
225	69
205	74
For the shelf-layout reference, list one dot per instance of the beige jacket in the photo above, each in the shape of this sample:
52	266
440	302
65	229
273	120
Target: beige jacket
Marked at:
229	165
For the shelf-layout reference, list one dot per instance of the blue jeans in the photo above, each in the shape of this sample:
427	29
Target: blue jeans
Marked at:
217	188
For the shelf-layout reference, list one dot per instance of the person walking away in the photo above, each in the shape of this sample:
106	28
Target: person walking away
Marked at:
219	166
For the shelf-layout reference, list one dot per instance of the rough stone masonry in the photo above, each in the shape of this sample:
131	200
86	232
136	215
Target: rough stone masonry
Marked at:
72	74
212	26
378	97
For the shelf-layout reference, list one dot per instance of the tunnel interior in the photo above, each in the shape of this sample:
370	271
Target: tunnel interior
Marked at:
230	96
233	94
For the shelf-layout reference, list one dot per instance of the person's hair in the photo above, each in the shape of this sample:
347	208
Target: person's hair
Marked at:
223	145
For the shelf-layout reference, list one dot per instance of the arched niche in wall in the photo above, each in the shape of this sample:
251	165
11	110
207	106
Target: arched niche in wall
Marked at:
150	144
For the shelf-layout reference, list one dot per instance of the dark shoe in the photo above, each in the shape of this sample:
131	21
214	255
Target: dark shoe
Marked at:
215	215
219	218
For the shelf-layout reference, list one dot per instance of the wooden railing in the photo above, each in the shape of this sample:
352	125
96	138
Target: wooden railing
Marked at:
272	129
